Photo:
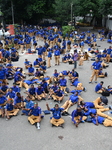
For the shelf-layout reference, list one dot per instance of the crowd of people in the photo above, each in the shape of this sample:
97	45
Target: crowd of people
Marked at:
39	86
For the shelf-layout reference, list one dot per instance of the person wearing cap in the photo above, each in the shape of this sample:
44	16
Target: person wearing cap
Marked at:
31	70
100	120
99	88
10	110
28	104
100	101
3	74
35	117
78	116
40	93
95	67
18	101
63	83
56	119
58	95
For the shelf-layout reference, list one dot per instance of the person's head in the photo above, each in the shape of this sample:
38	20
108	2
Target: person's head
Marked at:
79	109
55	70
28	98
58	89
96	60
76	93
101	82
63	77
30	65
10	101
35	104
92	115
36	59
14	84
43	80
26	59
36	70
56	106
3	83
18	94
10	90
32	86
39	86
109	86
55	83
75	51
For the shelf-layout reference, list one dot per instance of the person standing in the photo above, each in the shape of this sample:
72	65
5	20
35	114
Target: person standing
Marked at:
96	67
75	58
49	58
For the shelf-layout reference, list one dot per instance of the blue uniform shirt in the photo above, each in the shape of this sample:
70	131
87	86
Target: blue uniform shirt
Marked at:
9	107
98	87
36	111
75	113
56	113
2	99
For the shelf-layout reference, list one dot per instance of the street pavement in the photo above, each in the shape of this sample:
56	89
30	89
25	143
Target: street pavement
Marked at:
19	134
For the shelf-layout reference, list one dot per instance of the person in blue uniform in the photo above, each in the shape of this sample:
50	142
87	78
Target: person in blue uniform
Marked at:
63	83
49	58
28	105
35	117
99	88
31	70
101	120
58	95
40	93
78	116
18	101
56	119
95	67
10	110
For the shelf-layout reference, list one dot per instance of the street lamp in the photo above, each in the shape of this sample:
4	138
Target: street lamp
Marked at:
12	12
71	11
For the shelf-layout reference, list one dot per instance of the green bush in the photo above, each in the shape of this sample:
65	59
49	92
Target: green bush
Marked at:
67	29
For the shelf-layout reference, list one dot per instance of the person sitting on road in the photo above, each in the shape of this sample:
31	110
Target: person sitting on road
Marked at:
56	119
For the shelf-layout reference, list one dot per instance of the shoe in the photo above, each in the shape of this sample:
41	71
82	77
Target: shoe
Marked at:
59	102
82	121
95	81
61	126
53	125
38	125
84	89
55	100
43	98
90	82
110	107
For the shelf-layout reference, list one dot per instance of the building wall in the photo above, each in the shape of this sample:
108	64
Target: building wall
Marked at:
109	24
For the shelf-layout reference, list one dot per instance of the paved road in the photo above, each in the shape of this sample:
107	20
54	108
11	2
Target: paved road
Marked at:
18	134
